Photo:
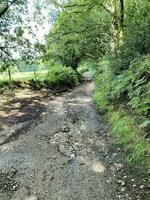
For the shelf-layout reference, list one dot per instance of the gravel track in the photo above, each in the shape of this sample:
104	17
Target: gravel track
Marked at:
64	157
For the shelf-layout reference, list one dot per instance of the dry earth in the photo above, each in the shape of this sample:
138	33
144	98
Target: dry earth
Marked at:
58	148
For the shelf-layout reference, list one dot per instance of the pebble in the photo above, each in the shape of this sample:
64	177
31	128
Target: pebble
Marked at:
121	182
123	189
119	166
72	156
14	187
134	185
142	187
127	195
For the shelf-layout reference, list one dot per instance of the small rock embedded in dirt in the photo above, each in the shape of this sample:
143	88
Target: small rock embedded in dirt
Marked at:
142	187
125	177
134	185
72	156
119	166
121	182
15	187
123	189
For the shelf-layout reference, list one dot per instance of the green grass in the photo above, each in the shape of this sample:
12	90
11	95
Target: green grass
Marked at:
24	76
128	135
127	132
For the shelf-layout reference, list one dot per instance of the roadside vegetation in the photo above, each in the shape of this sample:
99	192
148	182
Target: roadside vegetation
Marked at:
124	98
57	78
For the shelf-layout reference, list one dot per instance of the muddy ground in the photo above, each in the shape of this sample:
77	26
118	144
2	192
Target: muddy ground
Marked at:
56	147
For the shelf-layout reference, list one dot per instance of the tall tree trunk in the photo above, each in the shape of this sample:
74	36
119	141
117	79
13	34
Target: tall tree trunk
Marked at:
9	75
121	31
118	26
115	27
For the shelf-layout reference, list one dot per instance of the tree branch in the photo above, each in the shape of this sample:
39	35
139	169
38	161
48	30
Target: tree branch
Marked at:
6	8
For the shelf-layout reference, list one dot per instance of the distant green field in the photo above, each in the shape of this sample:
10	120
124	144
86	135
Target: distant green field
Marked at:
24	76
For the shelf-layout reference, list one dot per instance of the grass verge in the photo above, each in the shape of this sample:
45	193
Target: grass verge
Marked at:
124	120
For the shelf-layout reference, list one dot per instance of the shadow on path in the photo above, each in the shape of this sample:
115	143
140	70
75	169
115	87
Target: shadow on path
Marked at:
21	112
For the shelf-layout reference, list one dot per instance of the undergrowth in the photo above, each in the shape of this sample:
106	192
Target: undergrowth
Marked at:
125	99
57	78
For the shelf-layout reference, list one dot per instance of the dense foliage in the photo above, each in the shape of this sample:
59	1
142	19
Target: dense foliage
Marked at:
125	99
79	33
134	85
17	32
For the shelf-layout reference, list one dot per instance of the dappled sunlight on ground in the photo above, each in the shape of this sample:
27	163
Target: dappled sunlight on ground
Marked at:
32	197
81	100
6	147
95	166
21	106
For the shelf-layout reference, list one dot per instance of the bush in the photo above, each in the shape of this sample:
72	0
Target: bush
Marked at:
60	77
5	85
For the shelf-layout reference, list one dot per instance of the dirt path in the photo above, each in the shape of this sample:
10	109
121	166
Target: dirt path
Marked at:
65	157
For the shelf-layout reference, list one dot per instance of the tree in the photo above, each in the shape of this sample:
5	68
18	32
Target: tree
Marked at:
82	31
91	29
17	36
10	34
